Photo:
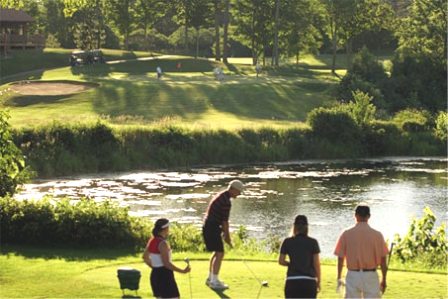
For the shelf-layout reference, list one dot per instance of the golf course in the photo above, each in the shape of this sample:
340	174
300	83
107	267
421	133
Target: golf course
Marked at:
127	92
305	139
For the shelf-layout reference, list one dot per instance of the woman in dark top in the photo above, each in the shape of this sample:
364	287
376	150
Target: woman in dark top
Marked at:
303	276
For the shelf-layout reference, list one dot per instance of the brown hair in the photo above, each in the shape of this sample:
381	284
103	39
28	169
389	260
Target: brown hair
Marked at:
300	226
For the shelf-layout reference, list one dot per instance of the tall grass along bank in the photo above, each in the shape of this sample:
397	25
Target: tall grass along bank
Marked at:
72	149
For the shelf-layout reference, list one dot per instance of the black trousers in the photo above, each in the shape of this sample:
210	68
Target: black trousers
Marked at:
300	288
163	284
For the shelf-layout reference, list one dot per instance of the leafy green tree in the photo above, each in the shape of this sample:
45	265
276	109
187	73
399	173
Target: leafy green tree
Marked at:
364	15
87	22
422	243
419	71
423	33
301	19
56	23
253	20
147	13
199	15
13	171
17	4
122	14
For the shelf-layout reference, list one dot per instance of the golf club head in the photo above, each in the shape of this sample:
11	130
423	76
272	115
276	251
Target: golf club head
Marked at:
265	283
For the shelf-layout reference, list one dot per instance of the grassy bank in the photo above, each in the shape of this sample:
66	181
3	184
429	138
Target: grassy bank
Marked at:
64	149
31	273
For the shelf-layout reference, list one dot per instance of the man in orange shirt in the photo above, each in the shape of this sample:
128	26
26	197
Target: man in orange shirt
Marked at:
364	249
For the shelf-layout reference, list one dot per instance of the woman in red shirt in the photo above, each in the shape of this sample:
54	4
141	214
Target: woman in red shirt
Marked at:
157	255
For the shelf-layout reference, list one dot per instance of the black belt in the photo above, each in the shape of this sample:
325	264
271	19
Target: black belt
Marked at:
362	270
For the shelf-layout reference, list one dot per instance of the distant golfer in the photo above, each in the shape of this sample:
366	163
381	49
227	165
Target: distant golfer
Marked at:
303	276
178	66
216	223
159	72
258	69
157	255
364	249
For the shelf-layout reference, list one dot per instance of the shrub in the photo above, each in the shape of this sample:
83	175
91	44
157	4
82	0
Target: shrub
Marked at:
423	244
83	223
334	124
361	109
12	164
441	126
367	75
412	120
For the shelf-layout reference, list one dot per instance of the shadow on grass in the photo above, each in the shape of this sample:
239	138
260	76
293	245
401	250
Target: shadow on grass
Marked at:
70	254
189	65
24	101
127	296
220	293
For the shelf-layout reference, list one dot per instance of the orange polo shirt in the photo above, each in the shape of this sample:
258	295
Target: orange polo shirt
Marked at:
362	246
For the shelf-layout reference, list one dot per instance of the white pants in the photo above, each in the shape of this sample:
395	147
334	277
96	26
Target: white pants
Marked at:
362	285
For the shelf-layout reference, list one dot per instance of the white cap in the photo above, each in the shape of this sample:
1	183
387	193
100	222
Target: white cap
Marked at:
236	184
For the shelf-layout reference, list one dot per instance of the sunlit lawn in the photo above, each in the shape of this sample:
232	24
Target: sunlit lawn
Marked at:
83	274
130	94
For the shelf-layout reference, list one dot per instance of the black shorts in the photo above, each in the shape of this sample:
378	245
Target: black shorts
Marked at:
163	284
211	231
301	288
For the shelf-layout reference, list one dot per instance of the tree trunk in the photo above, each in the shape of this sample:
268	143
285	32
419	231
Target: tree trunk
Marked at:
348	52
217	37
254	51
225	53
275	54
334	46
100	23
186	37
197	44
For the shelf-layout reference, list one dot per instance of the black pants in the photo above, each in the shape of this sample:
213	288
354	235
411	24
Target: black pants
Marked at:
163	284
301	288
211	231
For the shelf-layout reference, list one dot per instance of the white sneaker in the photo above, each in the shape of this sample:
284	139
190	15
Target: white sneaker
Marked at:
218	285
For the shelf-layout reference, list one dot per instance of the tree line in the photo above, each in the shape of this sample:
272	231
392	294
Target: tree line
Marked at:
261	28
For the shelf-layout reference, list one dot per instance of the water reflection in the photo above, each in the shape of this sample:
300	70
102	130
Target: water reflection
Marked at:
326	191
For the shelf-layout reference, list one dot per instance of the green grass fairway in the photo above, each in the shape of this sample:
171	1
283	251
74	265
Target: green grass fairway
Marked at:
19	61
130	94
39	273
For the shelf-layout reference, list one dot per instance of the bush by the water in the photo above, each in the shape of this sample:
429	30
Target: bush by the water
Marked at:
424	243
87	224
12	163
82	223
344	131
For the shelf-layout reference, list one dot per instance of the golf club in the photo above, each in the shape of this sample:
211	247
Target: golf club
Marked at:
263	283
187	260
390	254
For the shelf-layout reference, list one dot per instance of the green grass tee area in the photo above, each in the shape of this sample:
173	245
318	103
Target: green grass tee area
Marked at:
129	92
37	273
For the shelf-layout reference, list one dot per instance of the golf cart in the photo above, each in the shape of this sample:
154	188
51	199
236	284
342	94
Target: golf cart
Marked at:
80	57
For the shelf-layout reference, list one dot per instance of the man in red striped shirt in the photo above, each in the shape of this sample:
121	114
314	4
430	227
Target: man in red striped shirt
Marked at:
216	223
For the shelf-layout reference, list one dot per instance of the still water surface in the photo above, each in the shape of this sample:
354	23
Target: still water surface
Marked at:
327	191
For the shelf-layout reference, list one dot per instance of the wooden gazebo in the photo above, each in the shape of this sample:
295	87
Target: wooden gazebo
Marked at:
14	30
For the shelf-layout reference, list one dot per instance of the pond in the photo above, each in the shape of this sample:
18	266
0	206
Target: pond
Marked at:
327	191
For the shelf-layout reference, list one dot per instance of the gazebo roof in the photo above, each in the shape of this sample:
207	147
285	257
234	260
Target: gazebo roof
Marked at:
14	16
